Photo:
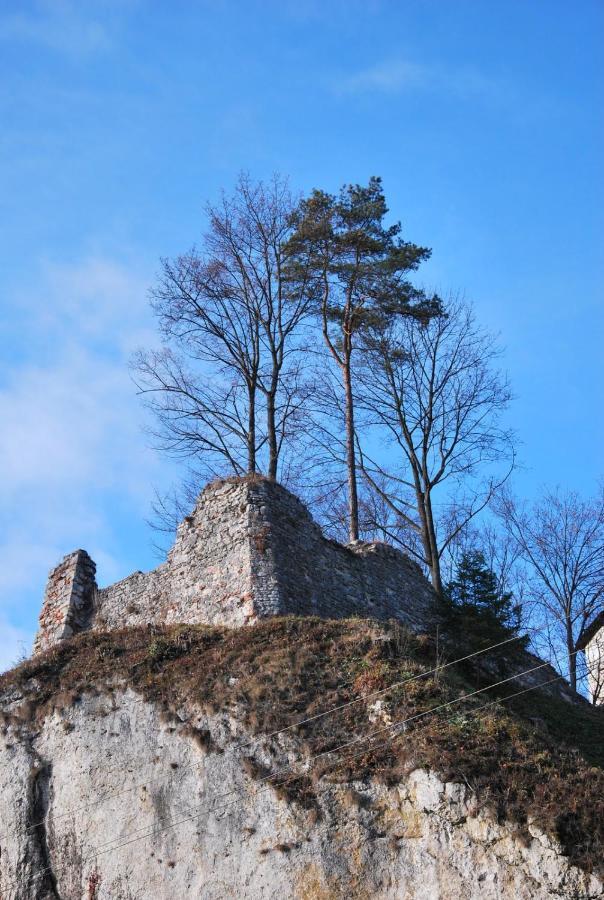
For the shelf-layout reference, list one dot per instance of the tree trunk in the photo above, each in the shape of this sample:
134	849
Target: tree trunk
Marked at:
251	432
434	557
428	536
353	502
271	430
435	576
572	656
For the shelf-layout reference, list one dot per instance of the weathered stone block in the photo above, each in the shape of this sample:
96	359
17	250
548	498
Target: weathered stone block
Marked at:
594	656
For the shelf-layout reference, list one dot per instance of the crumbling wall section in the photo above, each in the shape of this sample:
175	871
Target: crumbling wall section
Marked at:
594	657
297	570
249	550
135	600
69	600
206	578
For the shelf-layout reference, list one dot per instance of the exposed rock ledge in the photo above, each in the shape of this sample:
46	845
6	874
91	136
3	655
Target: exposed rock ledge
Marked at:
114	768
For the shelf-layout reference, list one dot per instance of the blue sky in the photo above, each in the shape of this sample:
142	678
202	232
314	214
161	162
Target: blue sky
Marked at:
119	119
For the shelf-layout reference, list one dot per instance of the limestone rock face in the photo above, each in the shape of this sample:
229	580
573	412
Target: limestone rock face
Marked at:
112	799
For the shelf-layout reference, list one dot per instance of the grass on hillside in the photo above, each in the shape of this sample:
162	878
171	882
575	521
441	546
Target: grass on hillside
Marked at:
533	756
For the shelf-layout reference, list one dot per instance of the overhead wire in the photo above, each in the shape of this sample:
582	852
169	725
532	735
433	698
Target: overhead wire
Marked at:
292	726
135	836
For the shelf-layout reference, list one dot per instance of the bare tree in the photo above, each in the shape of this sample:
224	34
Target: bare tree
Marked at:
282	303
226	387
433	392
561	539
201	414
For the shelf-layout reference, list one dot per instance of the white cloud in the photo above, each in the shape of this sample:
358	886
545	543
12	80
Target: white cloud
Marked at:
71	444
55	422
392	75
399	75
74	416
97	297
58	25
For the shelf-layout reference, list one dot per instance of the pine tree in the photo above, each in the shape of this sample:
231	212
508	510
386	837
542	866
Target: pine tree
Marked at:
359	270
476	607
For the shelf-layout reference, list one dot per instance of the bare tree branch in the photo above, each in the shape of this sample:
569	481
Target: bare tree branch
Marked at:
431	388
561	539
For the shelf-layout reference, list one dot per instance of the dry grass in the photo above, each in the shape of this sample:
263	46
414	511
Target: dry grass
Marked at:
251	478
536	756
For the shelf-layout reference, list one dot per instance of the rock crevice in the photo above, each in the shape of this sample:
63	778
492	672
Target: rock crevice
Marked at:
189	819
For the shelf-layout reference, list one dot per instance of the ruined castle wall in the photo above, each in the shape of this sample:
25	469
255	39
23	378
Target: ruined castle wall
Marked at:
297	570
135	600
594	656
205	579
251	550
68	601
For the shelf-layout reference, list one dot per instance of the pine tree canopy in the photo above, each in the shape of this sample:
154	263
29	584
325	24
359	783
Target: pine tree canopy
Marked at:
475	600
360	265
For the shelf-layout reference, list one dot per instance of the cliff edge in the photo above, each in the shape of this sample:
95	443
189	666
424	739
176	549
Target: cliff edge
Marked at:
290	758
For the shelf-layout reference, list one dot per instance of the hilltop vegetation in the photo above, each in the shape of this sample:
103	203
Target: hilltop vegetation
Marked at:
532	757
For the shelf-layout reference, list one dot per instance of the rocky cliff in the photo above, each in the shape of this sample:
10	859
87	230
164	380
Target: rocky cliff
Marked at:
170	762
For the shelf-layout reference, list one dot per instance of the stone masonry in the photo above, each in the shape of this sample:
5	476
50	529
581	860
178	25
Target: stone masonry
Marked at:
69	600
249	550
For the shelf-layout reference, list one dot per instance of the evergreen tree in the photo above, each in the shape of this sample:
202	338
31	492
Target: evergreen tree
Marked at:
474	605
359	269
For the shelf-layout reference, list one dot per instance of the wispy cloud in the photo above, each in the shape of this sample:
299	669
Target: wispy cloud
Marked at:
94	299
395	76
71	446
390	76
58	25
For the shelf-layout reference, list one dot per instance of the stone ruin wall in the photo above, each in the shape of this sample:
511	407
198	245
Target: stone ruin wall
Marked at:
69	600
298	571
249	550
206	578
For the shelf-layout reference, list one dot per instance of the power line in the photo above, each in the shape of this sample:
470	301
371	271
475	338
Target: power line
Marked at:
233	748
110	846
471	712
405	721
106	848
342	684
